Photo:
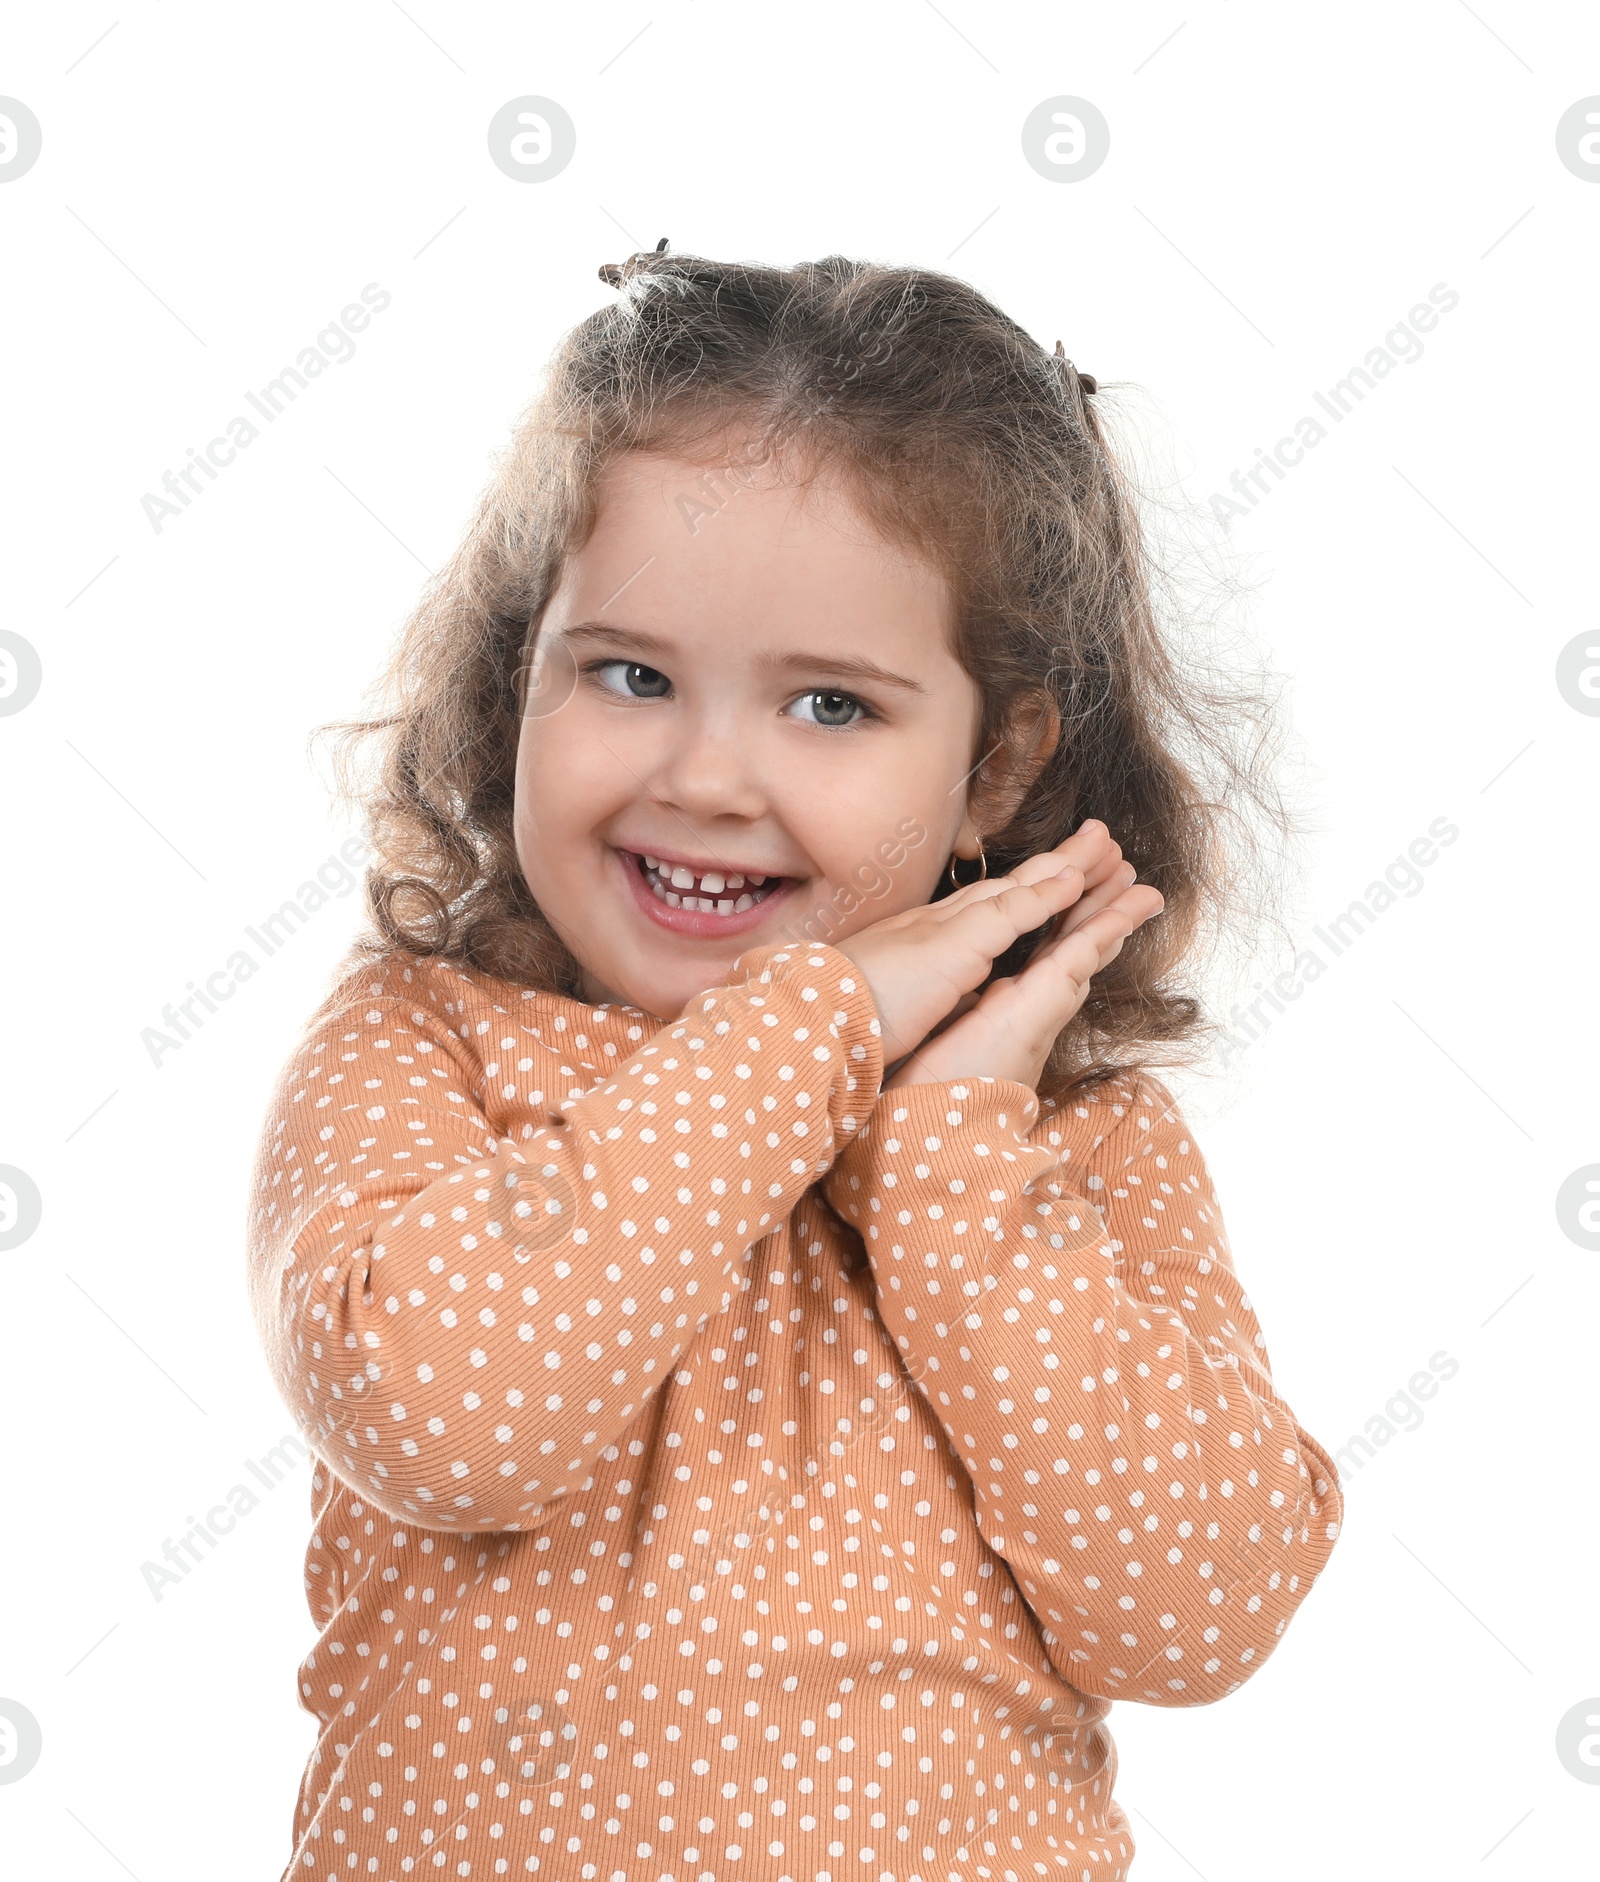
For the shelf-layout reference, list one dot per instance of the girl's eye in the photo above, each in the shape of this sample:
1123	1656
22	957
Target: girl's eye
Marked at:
832	709
634	681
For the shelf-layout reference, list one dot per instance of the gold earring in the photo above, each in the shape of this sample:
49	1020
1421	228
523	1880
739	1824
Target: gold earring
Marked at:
983	868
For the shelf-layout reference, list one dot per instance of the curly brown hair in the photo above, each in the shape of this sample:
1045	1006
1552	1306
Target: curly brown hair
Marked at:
959	436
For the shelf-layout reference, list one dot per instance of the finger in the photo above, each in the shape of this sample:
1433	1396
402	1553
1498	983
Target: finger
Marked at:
1028	873
1031	1008
1141	903
1107	928
1104	886
1098	897
1055	983
1034	869
1089	849
992	923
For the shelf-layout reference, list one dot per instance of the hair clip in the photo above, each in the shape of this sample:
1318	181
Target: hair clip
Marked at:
1086	380
614	273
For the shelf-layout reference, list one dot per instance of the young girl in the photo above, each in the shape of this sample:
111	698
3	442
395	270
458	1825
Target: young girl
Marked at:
775	1367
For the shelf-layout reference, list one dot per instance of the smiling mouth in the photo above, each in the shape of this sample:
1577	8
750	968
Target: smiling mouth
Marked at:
710	892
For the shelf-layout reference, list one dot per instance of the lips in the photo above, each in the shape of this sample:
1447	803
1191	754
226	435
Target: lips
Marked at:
702	903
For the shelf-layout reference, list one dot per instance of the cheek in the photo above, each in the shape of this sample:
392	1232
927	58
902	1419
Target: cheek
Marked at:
557	797
850	801
882	861
921	852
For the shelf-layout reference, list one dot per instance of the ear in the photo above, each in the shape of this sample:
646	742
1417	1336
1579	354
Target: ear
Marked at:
1031	733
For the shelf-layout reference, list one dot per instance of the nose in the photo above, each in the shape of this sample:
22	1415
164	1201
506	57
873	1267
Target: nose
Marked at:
709	766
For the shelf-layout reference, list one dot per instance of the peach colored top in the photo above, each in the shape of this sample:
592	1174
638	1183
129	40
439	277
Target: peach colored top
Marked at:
725	1473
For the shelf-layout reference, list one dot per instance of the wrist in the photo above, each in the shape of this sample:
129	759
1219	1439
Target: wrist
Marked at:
837	999
943	1067
970	1137
937	1113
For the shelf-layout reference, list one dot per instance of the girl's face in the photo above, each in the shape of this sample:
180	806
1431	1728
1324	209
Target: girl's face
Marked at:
746	727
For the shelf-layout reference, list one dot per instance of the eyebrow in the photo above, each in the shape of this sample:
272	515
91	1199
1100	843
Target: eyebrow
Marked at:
604	630
849	666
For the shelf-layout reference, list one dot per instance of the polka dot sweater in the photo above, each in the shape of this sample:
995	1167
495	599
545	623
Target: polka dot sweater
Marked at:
723	1472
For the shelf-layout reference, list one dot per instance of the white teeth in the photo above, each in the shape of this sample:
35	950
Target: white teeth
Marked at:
711	884
705	904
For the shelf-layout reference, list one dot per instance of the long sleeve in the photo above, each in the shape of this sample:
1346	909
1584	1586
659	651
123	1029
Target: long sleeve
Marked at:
466	1292
1061	1288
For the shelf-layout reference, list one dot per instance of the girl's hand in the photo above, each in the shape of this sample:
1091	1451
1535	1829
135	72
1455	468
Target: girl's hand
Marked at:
920	963
1008	1030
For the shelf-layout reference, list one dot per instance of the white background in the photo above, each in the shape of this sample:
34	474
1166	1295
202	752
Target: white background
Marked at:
1283	185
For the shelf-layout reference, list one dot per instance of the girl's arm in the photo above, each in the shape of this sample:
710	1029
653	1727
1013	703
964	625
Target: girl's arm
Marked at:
1063	1293
465	1297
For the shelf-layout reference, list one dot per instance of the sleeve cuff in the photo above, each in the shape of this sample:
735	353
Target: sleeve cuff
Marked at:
829	983
968	1129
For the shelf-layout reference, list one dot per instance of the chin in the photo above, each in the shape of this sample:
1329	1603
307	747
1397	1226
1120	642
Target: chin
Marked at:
669	997
671	992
